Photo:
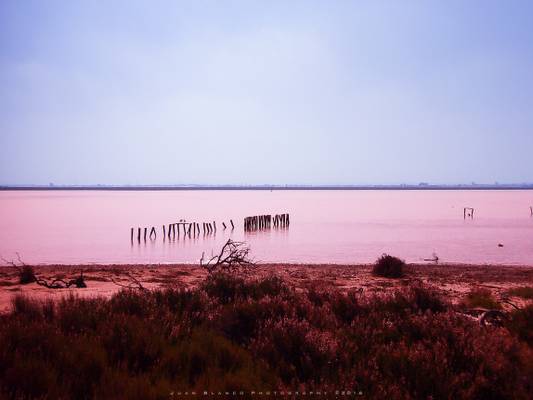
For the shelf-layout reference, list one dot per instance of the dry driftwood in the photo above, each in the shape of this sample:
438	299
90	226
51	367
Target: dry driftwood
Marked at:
27	275
57	283
233	258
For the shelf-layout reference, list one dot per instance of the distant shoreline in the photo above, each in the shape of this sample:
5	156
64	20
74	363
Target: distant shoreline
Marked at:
270	187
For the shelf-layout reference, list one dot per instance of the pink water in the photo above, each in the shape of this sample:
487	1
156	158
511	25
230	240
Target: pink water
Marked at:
70	227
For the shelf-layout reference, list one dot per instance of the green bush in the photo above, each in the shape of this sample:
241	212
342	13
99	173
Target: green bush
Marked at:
521	324
388	267
526	292
482	298
26	275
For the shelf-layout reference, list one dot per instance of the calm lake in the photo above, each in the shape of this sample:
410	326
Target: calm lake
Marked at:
337	226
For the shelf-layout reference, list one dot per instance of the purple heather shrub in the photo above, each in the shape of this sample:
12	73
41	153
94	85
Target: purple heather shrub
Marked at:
237	333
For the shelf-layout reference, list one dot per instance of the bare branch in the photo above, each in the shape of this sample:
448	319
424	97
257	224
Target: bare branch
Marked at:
57	283
233	257
133	283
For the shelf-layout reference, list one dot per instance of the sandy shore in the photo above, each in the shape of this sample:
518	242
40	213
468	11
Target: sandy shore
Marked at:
452	281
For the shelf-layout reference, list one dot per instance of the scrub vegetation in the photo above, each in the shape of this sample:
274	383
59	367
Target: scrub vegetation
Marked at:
248	333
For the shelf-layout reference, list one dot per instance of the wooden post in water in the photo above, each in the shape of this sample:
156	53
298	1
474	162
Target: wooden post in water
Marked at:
153	232
164	232
231	222
468	212
214	226
138	234
145	232
224	225
132	234
531	211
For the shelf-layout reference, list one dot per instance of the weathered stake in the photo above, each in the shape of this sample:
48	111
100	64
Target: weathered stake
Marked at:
468	212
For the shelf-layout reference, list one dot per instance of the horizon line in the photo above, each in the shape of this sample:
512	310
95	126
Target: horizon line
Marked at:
419	186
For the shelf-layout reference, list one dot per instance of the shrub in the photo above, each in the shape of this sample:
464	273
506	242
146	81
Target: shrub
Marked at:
388	267
227	288
224	287
481	297
26	307
426	299
29	378
521	324
26	275
526	292
257	334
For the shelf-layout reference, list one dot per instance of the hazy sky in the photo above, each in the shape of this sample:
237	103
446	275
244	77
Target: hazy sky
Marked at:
252	92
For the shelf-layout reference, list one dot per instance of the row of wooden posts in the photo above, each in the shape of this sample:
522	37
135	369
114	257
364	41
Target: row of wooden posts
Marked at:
259	222
174	229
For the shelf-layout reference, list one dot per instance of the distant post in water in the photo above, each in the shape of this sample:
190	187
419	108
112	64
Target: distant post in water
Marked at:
468	212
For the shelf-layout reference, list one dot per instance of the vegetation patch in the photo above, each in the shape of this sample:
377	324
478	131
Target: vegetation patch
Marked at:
481	298
388	267
525	292
238	333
